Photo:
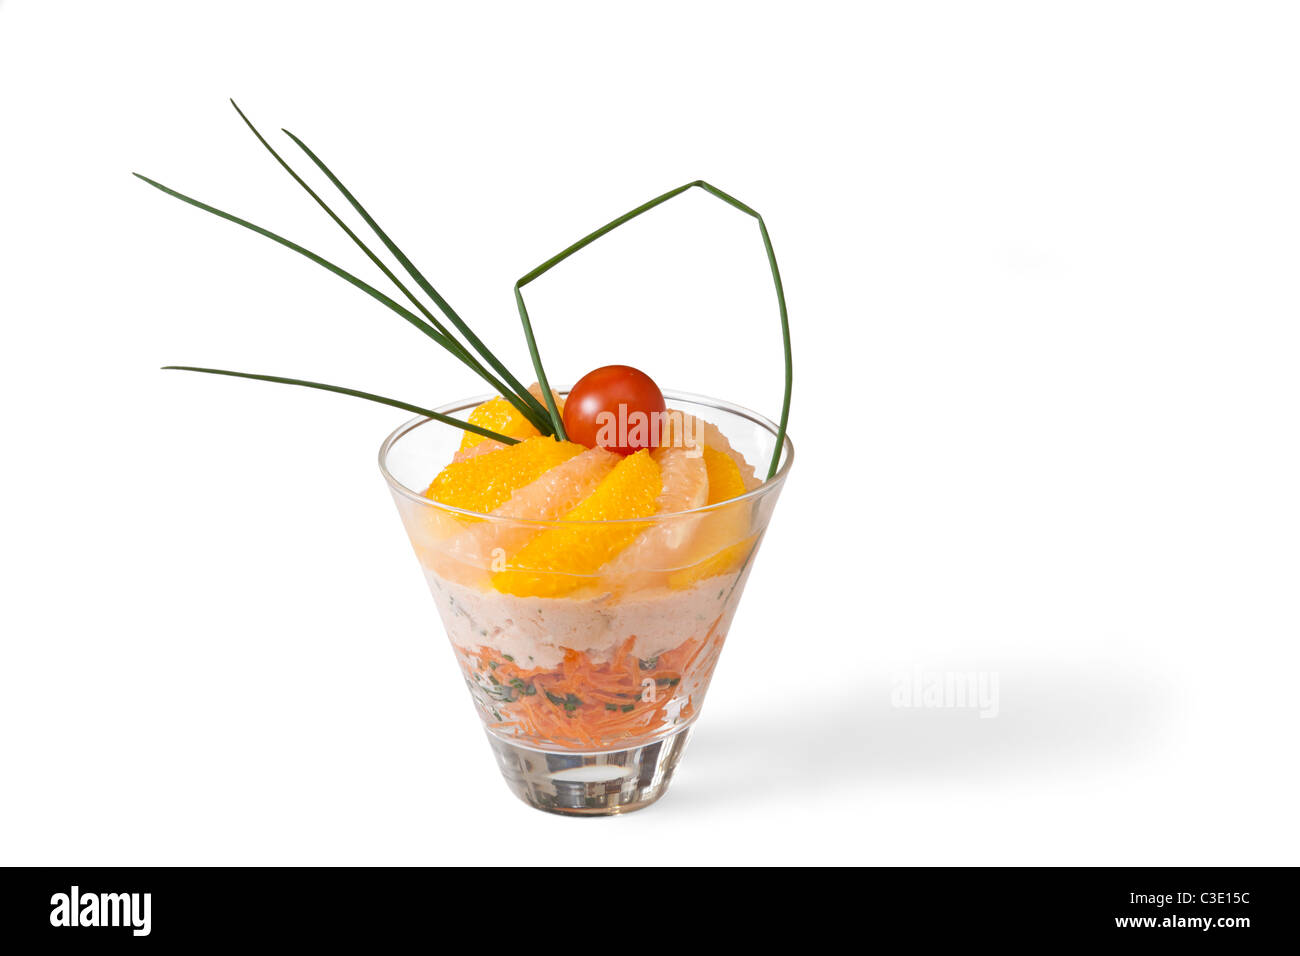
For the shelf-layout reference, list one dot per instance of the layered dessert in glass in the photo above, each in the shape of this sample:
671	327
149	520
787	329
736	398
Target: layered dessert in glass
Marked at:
587	594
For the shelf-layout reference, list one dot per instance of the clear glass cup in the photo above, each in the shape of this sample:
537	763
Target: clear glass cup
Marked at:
588	685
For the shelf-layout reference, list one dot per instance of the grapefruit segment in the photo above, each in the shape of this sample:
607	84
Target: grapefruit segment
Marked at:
685	480
681	430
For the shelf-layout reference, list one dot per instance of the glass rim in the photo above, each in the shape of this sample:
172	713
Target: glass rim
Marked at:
768	486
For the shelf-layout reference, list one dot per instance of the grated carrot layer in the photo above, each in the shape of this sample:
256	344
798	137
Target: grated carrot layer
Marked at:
586	704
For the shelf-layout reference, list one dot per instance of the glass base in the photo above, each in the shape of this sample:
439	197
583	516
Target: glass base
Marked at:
590	784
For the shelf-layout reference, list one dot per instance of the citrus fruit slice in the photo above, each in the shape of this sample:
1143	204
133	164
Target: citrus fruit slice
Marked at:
685	479
487	481
561	489
723	538
723	561
484	544
482	447
561	559
681	430
498	415
726	480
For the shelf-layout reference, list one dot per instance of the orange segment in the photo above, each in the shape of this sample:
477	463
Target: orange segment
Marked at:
721	562
485	482
719	548
725	479
559	559
498	415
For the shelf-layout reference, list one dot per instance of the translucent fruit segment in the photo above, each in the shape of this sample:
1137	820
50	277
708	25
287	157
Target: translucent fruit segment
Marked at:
726	560
487	481
482	448
723	538
686	479
561	559
686	431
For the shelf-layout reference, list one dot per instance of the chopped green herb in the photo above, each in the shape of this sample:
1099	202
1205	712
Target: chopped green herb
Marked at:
570	702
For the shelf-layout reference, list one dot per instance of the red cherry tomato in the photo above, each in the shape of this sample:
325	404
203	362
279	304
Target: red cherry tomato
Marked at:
616	407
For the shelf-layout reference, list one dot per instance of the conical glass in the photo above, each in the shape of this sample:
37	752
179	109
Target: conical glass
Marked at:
588	685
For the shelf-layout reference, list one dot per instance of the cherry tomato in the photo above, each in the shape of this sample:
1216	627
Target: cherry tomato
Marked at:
617	407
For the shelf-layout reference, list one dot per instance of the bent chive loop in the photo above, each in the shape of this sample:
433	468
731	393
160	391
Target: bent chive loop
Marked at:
557	424
368	396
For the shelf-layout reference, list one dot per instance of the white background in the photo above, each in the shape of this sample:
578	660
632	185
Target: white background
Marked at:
1041	262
